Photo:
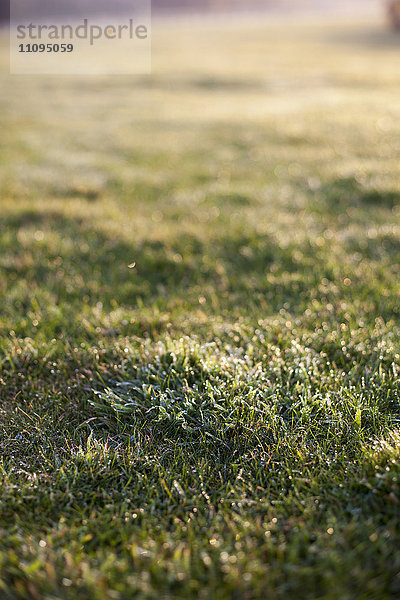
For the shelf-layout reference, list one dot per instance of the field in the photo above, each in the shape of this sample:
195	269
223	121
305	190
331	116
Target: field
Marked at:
219	421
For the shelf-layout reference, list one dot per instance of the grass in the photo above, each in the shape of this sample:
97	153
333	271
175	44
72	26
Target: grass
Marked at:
220	421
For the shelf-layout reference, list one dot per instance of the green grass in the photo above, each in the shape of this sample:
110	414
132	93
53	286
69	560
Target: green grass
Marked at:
222	420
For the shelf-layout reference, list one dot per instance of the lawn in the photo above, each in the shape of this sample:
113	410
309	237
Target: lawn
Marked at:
219	421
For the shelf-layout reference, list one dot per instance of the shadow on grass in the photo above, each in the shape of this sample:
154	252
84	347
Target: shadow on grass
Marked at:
78	264
345	192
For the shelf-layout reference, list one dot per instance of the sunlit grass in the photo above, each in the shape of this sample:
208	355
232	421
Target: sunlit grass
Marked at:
220	421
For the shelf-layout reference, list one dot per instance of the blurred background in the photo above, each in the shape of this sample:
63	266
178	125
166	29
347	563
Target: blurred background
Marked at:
253	137
269	5
390	8
187	6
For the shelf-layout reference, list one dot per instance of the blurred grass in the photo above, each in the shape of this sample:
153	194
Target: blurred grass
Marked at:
220	421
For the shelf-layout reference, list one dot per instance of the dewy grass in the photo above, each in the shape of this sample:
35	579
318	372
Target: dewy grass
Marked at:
220	421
